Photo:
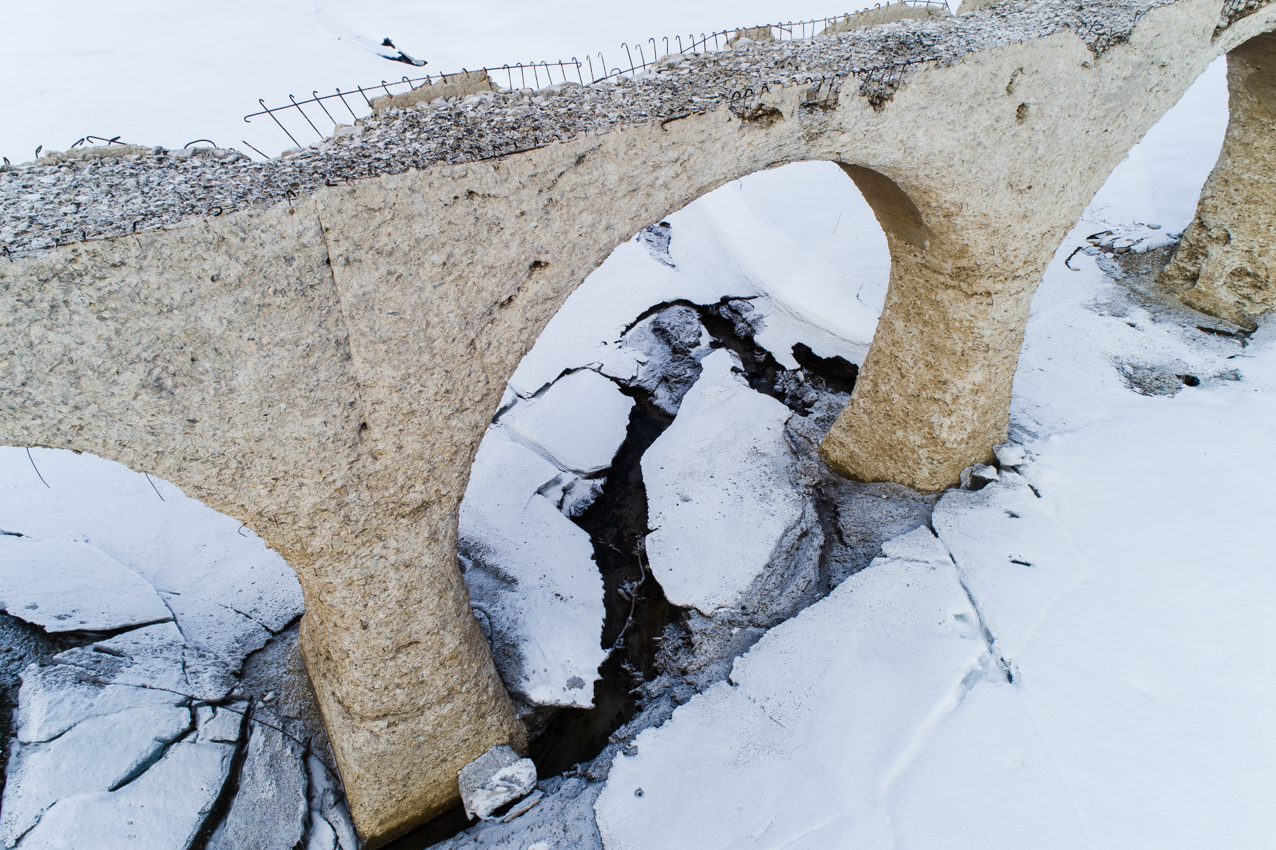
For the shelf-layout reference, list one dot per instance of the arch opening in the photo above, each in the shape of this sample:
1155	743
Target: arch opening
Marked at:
137	615
782	273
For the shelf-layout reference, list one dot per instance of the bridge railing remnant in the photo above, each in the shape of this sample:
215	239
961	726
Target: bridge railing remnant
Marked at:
357	102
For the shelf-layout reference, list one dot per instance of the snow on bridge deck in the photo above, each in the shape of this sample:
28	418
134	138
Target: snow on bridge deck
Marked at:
44	205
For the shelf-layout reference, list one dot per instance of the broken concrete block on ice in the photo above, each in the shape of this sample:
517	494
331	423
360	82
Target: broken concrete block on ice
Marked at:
495	779
579	422
63	586
531	575
723	507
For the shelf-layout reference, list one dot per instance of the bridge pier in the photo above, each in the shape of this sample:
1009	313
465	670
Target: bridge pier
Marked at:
1227	259
933	395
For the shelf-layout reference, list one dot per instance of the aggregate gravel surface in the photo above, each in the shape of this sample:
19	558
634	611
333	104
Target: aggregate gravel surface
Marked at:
64	198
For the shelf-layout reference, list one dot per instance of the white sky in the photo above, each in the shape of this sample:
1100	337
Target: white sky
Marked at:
164	73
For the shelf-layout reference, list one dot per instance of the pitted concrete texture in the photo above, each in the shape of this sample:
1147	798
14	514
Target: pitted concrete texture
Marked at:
451	85
886	14
324	369
1226	263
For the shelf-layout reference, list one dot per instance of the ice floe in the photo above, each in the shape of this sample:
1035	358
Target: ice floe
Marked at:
719	491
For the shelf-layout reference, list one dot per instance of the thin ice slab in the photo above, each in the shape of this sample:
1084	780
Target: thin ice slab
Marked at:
531	576
64	586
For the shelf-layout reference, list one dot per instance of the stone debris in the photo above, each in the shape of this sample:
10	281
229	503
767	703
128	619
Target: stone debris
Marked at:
66	586
270	805
100	194
978	476
495	779
669	347
656	239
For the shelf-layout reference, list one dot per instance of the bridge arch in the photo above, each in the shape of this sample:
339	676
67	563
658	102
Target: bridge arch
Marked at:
324	369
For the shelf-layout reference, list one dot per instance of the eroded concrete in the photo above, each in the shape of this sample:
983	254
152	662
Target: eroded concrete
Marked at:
1226	262
323	370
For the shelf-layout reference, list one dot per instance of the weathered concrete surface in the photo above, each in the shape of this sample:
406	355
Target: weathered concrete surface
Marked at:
324	370
215	356
448	85
1226	263
886	14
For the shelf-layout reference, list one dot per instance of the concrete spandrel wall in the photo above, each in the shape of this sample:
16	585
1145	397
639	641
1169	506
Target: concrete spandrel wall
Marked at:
341	356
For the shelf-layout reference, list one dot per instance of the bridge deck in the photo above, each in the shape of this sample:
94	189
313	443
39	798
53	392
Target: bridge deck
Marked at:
45	205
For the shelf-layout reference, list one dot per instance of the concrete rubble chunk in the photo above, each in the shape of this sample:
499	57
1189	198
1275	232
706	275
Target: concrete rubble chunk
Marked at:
163	809
63	586
494	779
99	754
270	806
978	476
55	698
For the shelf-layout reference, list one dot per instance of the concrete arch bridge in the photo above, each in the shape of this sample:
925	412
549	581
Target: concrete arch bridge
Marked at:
314	345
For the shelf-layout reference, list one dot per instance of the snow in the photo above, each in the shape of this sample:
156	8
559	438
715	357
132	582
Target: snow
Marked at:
780	757
177	544
719	495
578	423
165	75
65	586
99	754
531	576
163	809
1110	677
